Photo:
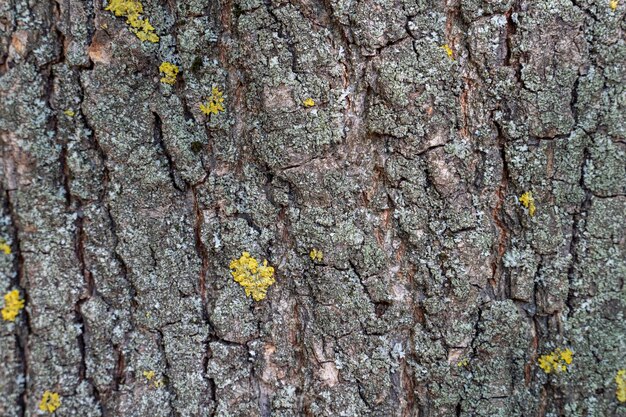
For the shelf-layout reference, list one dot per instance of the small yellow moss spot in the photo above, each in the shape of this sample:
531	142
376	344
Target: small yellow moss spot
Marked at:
214	103
528	201
170	70
309	102
556	361
254	278
148	375
4	247
132	10
50	402
158	383
12	305
613	4
620	380
69	113
316	255
448	50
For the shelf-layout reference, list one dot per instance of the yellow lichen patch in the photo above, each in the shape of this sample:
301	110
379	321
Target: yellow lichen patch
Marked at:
4	247
170	71
613	4
566	356
620	380
309	102
556	361
214	103
316	255
50	402
463	363
150	377
132	10
12	305
69	113
254	278
448	50
528	201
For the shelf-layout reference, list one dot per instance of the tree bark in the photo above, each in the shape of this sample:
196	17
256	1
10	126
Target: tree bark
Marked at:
438	292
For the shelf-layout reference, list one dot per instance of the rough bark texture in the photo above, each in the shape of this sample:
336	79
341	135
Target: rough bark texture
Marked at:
437	292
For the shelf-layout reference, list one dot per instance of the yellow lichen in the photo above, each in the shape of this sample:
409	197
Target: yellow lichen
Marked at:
132	10
448	50
69	113
50	402
12	305
613	4
556	361
254	278
316	255
170	70
528	201
620	380
566	356
214	103
4	247
309	102
150	376
463	363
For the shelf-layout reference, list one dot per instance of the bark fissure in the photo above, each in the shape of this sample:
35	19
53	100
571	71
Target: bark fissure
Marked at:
577	231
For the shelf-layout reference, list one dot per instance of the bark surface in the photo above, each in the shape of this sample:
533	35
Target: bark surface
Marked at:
123	205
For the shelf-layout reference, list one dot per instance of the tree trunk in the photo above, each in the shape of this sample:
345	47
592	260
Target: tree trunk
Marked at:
438	291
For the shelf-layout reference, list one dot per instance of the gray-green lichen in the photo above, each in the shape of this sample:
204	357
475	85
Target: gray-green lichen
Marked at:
437	291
